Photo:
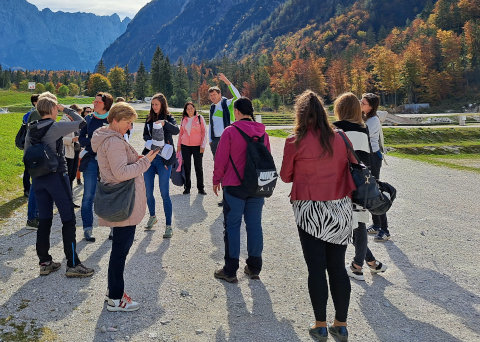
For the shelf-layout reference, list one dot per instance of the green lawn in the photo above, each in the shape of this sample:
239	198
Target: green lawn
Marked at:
18	101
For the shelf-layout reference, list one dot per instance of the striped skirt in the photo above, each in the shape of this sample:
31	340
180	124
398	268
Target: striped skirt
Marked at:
330	221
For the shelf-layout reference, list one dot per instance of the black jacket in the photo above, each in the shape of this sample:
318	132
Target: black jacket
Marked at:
170	128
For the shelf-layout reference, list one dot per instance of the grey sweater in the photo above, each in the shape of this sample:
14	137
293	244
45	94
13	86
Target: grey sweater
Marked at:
53	136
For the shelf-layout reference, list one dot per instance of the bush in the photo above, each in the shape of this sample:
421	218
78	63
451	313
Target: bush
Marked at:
63	91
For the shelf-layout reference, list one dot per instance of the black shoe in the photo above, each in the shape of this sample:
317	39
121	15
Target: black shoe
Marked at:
341	333
250	274
186	191
202	192
220	274
32	224
26	193
220	204
320	334
79	182
76	206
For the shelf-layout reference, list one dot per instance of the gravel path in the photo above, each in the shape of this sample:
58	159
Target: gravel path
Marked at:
429	293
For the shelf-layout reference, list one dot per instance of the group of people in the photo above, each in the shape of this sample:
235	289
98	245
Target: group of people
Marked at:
315	160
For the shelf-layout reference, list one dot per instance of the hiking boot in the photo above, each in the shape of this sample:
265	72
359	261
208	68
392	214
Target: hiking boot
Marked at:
381	236
48	267
373	229
168	232
319	334
354	272
124	304
202	192
32	224
151	221
88	235
79	271
186	191
250	274
220	274
341	333
378	267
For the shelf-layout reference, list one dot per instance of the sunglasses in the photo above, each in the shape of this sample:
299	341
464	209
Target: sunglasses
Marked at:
89	111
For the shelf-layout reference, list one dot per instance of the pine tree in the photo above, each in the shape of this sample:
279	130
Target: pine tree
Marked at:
128	83
167	77
101	69
158	81
141	82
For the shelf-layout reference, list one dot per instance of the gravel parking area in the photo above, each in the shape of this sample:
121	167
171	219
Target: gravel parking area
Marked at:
430	291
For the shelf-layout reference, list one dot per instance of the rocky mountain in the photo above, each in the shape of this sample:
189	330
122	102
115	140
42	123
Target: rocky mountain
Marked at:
194	29
34	39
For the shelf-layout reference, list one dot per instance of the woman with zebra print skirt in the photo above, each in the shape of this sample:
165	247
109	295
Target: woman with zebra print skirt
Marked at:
316	161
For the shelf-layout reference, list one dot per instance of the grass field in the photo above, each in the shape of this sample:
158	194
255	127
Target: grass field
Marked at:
457	148
17	101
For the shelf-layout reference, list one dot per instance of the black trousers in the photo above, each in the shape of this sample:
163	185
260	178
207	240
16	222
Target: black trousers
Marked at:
187	153
360	241
72	166
213	145
378	220
49	189
322	256
121	243
26	181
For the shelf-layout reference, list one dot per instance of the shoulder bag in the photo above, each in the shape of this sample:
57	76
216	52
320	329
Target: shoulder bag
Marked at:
375	196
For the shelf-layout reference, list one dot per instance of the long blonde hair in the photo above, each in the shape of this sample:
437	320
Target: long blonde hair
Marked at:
347	107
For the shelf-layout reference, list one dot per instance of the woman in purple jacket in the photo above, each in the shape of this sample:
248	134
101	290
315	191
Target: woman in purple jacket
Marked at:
232	149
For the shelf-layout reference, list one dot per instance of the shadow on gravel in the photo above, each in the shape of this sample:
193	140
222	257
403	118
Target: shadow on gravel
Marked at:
51	298
389	323
216	236
142	281
260	324
439	289
190	213
8	208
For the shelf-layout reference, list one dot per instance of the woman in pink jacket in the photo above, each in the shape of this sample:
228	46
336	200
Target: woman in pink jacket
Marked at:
232	150
117	162
192	141
315	160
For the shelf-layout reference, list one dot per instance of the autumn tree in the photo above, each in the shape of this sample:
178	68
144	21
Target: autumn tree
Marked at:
96	83
337	75
412	71
116	76
386	69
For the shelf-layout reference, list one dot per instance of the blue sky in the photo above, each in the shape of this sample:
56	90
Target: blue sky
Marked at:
100	7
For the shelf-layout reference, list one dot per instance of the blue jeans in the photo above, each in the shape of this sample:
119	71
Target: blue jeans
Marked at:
251	210
90	176
32	208
158	168
121	243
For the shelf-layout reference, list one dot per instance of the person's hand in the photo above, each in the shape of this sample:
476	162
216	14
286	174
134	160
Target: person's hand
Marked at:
152	154
224	79
202	149
75	139
60	108
216	188
160	122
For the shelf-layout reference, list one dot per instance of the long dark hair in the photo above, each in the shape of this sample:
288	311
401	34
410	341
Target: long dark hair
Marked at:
374	101
310	115
152	116
184	114
244	106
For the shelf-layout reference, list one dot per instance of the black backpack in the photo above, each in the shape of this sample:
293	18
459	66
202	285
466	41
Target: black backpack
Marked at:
39	158
20	137
260	176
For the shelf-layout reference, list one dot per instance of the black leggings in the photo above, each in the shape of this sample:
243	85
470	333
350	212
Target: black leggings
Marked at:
320	256
379	221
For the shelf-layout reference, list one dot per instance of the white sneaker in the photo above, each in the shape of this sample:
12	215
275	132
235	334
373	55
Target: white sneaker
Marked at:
378	267
124	304
354	273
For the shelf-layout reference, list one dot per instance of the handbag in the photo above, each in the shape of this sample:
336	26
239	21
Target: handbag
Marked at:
115	202
178	171
377	197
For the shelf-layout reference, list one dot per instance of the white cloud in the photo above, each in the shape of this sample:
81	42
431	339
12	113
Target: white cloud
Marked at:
100	7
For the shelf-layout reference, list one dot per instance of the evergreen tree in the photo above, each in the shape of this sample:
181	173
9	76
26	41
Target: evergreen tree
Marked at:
180	85
101	69
128	83
167	78
157	81
141	82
